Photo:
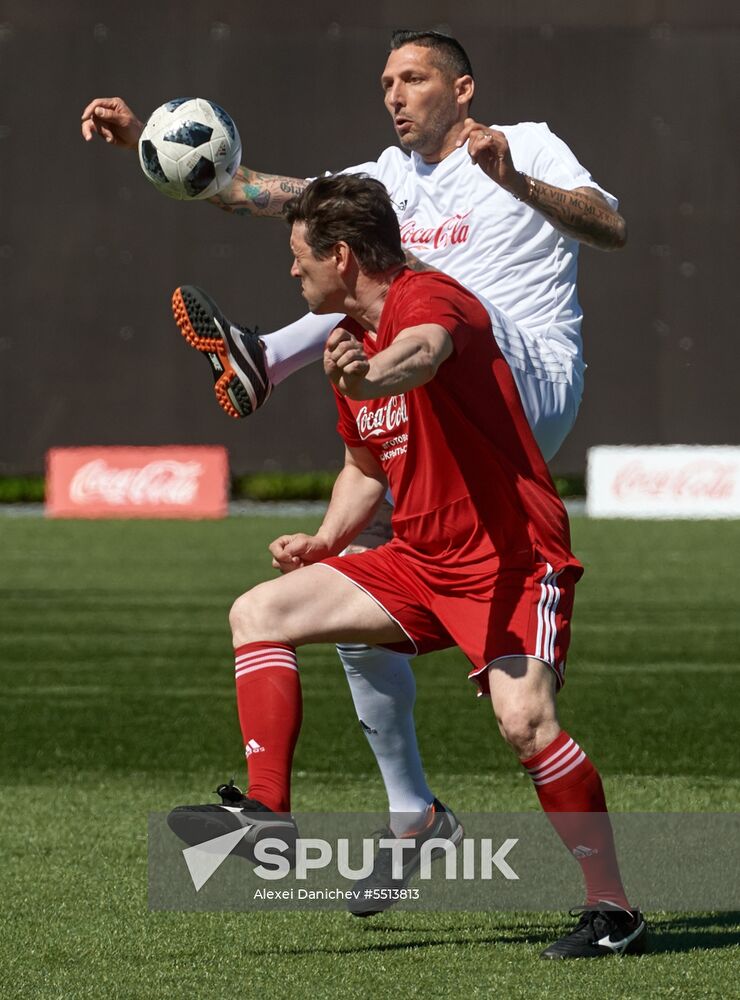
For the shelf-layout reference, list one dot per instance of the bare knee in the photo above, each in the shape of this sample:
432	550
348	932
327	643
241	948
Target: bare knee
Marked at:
527	728
253	618
523	700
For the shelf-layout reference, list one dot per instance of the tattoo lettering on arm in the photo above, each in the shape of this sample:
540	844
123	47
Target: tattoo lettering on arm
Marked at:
292	187
254	193
582	214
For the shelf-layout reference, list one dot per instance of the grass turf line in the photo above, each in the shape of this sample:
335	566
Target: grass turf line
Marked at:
118	700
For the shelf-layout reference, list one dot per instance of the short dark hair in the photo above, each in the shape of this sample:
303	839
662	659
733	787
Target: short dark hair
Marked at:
451	57
350	208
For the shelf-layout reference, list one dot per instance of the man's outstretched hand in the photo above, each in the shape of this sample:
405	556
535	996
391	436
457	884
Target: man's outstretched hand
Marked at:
113	120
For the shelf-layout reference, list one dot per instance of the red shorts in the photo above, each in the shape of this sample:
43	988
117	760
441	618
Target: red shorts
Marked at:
489	613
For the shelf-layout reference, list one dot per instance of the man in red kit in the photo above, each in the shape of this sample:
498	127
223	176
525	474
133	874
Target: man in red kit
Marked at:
480	556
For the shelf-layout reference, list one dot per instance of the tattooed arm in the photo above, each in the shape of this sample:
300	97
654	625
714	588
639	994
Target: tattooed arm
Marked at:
583	213
250	193
254	193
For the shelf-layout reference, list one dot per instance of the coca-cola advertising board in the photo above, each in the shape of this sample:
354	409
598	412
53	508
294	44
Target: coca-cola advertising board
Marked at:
172	481
670	481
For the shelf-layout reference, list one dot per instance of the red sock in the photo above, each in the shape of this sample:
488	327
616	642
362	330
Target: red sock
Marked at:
268	696
567	783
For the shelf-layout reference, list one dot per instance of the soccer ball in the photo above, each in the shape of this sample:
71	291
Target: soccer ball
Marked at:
190	148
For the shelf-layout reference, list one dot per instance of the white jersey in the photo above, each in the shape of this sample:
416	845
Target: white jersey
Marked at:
455	218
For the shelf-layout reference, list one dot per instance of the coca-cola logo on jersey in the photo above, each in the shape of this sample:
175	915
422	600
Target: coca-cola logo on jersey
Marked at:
382	419
450	232
702	478
158	482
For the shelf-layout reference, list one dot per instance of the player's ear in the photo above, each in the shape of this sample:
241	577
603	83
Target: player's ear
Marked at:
342	256
464	88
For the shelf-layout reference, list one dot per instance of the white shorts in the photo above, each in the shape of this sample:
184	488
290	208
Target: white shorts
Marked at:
551	408
548	377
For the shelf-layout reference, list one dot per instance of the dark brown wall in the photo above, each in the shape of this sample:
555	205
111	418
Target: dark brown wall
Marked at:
645	93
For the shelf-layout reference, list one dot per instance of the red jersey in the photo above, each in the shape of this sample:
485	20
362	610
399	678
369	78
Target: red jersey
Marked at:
468	480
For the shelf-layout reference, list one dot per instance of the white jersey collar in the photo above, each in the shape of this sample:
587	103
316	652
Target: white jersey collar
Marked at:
449	163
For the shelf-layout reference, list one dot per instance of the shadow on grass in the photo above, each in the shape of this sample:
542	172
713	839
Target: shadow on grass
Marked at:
707	932
374	937
667	935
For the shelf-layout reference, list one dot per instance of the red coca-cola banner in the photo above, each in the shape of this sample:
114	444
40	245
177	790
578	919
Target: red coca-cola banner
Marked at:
172	481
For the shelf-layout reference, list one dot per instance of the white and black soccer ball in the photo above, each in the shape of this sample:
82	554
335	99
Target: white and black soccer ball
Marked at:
190	148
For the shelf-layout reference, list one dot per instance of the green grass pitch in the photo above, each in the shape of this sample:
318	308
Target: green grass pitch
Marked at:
117	701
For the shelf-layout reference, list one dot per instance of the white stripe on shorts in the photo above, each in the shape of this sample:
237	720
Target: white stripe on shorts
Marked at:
546	616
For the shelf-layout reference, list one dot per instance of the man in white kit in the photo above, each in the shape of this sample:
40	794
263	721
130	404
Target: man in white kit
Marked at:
500	208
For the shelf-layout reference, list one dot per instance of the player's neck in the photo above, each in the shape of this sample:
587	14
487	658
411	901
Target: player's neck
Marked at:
447	145
371	291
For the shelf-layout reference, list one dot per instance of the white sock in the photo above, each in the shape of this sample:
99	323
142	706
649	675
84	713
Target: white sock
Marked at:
384	691
293	347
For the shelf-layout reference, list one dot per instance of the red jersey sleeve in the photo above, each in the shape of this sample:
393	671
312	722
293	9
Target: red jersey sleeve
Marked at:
346	424
436	298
